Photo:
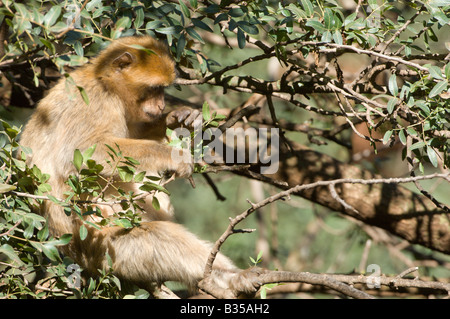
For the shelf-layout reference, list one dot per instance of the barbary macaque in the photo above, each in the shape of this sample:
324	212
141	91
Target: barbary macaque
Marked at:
125	87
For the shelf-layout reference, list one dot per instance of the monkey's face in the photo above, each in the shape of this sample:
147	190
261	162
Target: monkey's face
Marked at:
151	104
139	78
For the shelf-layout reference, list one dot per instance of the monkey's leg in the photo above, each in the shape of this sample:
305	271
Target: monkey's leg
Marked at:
159	251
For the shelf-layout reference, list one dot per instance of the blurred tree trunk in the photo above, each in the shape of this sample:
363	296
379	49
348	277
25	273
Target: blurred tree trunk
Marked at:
389	206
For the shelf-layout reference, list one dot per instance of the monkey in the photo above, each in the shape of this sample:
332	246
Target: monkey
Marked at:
125	86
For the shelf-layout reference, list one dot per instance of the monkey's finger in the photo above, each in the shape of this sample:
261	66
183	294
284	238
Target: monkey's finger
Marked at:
198	120
182	115
194	114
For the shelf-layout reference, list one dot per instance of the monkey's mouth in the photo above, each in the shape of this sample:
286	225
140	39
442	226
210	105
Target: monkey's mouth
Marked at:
154	116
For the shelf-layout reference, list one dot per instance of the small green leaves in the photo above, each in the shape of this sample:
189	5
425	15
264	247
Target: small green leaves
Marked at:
258	259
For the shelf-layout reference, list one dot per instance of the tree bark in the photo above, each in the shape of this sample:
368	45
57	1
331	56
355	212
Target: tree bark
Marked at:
389	206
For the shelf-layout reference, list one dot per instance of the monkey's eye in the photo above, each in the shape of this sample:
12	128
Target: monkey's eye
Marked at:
155	90
150	91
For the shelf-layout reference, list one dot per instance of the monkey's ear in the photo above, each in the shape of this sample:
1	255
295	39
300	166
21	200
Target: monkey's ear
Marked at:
123	60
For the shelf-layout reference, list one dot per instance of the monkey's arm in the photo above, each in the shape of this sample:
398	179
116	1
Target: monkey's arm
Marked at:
153	156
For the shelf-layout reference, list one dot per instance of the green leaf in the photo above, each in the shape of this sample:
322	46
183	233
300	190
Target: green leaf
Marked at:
83	232
181	44
122	23
200	24
248	28
308	7
391	105
138	178
45	188
373	4
387	137
152	25
236	12
170	30
241	39
350	18
58	27
194	3
87	154
148	187
49	45
298	13
402	136
52	15
435	72
438	88
43	233
432	35
393	88
123	222
423	106
63	240
417	145
326	36
139	21
328	18
78	47
185	9
191	31
316	25
142	48
447	71
4	188
337	37
155	203
206	112
432	156
10	254
77	159
84	95
50	251
125	173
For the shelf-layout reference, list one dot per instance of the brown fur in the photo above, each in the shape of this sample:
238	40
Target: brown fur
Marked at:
125	86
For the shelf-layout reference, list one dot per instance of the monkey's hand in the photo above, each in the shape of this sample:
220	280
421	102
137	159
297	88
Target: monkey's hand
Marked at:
184	117
246	283
181	163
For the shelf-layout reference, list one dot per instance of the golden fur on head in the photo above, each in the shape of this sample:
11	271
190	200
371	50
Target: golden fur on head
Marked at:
144	58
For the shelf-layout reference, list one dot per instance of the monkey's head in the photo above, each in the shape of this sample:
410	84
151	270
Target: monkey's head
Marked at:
137	69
